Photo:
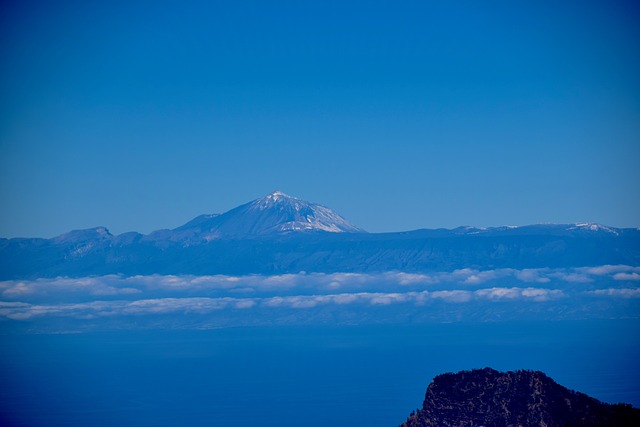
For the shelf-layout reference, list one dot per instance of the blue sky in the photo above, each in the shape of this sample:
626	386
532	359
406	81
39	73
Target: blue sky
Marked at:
141	115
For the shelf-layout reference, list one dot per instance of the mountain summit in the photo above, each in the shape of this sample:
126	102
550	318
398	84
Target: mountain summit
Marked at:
279	234
275	213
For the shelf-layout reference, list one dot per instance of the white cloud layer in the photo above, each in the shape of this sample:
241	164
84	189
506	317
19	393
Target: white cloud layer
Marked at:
115	285
627	276
200	305
112	296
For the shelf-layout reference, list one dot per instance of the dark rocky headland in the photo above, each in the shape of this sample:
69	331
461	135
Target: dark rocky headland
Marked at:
489	398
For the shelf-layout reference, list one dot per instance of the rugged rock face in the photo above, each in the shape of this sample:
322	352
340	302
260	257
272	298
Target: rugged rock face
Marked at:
486	397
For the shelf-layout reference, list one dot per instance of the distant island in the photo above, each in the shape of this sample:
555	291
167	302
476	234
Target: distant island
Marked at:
280	234
489	398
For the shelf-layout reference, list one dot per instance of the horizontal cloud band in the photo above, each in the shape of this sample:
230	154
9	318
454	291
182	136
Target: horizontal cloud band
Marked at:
23	311
135	287
112	296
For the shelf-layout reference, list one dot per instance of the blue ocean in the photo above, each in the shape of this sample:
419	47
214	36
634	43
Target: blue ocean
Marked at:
367	375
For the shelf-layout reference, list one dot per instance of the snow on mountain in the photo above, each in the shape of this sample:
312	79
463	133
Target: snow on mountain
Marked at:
280	234
273	214
277	214
542	229
590	226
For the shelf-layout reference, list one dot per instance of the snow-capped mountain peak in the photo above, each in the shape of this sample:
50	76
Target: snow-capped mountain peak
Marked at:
278	195
276	198
275	213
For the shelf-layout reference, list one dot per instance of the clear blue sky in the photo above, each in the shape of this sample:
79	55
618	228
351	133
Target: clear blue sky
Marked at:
398	115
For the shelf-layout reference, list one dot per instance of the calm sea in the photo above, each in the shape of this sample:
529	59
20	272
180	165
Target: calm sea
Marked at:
293	376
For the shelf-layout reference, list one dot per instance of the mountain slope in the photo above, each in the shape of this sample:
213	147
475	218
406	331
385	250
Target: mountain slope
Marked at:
279	234
486	397
273	214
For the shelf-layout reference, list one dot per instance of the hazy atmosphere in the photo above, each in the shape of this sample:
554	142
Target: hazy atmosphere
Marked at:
291	213
141	115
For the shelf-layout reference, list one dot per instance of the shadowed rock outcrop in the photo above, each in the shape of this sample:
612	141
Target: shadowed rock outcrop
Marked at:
486	397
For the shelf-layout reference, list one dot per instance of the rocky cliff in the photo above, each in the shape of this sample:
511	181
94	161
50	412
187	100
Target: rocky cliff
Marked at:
486	397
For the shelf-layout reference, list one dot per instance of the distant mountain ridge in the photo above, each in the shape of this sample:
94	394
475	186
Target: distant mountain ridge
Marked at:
280	234
276	213
486	397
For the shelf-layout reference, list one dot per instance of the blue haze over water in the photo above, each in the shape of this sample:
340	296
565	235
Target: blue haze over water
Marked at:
370	375
310	349
401	116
